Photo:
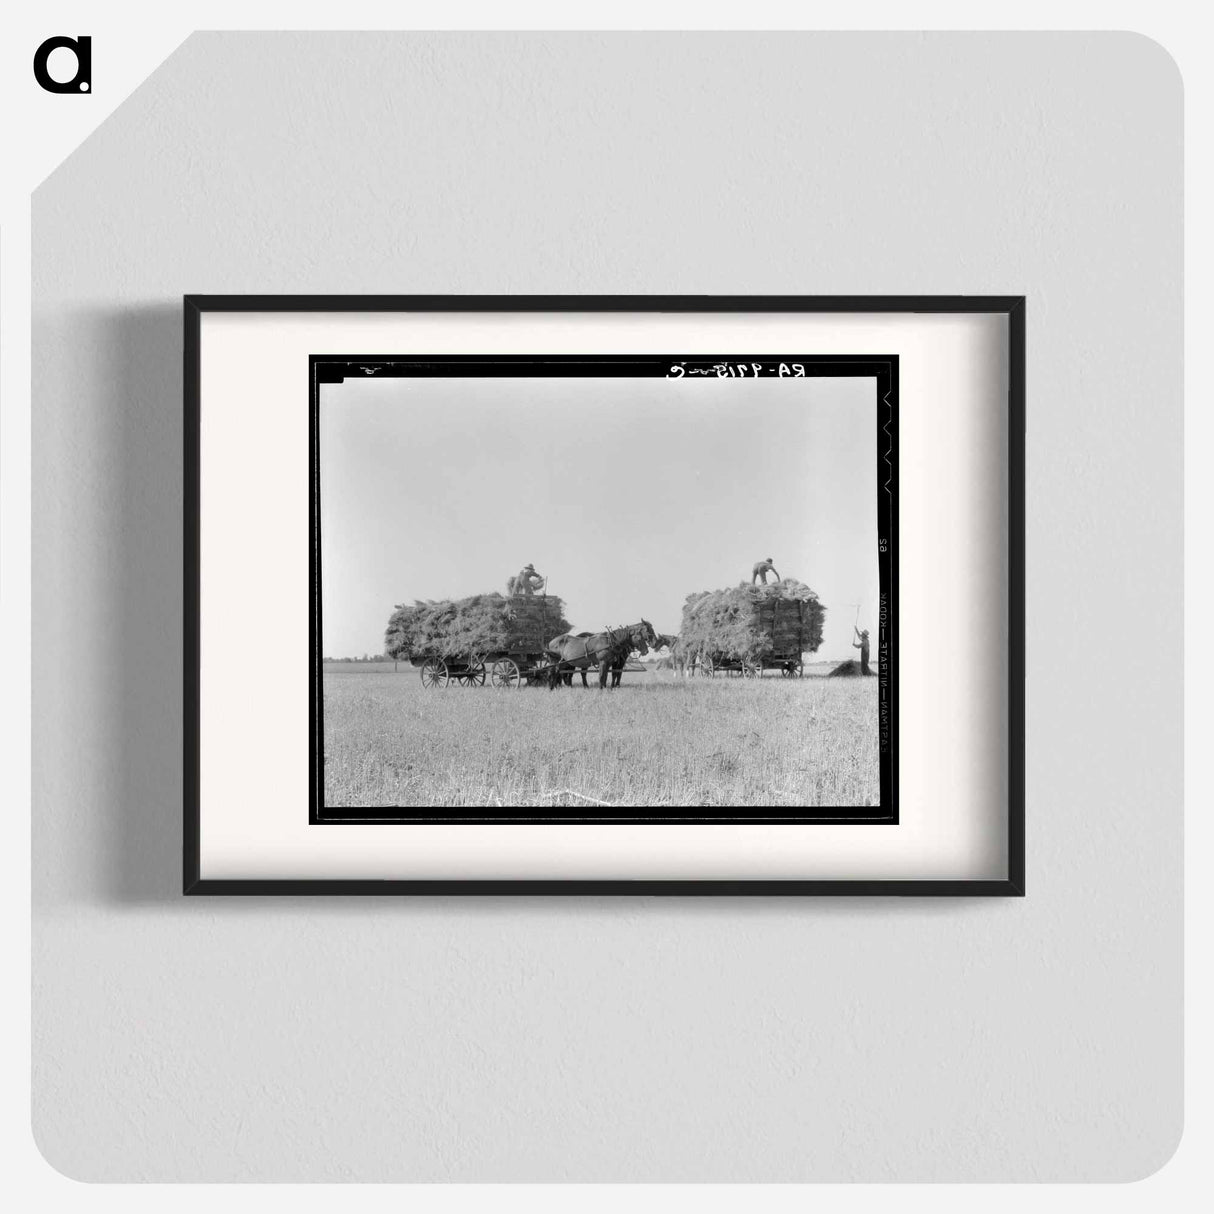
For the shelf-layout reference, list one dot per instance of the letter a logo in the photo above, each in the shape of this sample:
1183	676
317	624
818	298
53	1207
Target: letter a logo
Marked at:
82	81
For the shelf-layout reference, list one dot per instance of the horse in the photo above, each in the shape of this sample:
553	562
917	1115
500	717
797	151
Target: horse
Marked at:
617	667
567	676
617	670
682	657
602	649
608	650
661	641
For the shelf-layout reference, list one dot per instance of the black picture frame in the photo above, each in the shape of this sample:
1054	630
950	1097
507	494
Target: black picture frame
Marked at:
1011	307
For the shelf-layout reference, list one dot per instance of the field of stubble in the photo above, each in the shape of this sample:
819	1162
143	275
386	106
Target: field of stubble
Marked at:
657	741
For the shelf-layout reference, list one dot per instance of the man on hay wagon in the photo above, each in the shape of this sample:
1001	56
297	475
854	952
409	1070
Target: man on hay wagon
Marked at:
526	581
760	571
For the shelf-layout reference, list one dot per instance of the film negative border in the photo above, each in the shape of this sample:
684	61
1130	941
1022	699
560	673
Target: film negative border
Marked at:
882	369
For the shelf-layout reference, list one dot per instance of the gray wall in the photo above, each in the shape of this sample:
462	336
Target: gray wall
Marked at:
630	1039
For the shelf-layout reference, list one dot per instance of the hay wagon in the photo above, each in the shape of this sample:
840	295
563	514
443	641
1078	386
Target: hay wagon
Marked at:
513	651
744	632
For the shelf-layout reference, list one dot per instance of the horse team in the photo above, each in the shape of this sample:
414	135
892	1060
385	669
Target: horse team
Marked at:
578	652
608	651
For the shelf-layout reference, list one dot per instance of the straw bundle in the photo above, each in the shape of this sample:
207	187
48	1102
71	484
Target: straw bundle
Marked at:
481	624
750	622
847	670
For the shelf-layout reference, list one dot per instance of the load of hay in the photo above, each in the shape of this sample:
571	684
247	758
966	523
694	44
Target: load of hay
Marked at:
748	623
479	625
851	669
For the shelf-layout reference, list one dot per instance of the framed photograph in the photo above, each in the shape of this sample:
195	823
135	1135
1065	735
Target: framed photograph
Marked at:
604	594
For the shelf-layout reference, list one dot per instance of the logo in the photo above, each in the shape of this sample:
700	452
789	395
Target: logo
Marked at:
82	81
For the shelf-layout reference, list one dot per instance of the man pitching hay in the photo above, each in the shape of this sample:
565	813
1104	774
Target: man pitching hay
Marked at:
526	581
760	571
861	643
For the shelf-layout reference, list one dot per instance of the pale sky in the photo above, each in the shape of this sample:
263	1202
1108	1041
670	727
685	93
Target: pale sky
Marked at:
629	494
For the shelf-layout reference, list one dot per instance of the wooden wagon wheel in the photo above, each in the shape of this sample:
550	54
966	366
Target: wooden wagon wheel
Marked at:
435	673
505	674
751	671
707	669
476	675
792	670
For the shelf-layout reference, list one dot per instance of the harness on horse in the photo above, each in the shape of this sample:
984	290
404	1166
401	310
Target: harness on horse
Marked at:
613	644
610	650
620	644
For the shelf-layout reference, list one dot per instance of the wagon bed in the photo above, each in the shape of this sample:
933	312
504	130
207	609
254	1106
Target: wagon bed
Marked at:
790	665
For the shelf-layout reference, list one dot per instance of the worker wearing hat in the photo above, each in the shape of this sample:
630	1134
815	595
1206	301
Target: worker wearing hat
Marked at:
527	581
861	643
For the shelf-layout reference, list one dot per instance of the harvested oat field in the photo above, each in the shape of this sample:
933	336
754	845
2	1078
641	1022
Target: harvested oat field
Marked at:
656	741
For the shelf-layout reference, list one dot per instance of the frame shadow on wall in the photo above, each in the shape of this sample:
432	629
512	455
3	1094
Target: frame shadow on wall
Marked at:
143	724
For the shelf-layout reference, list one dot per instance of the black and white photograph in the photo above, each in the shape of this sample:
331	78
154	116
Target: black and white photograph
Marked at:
604	588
